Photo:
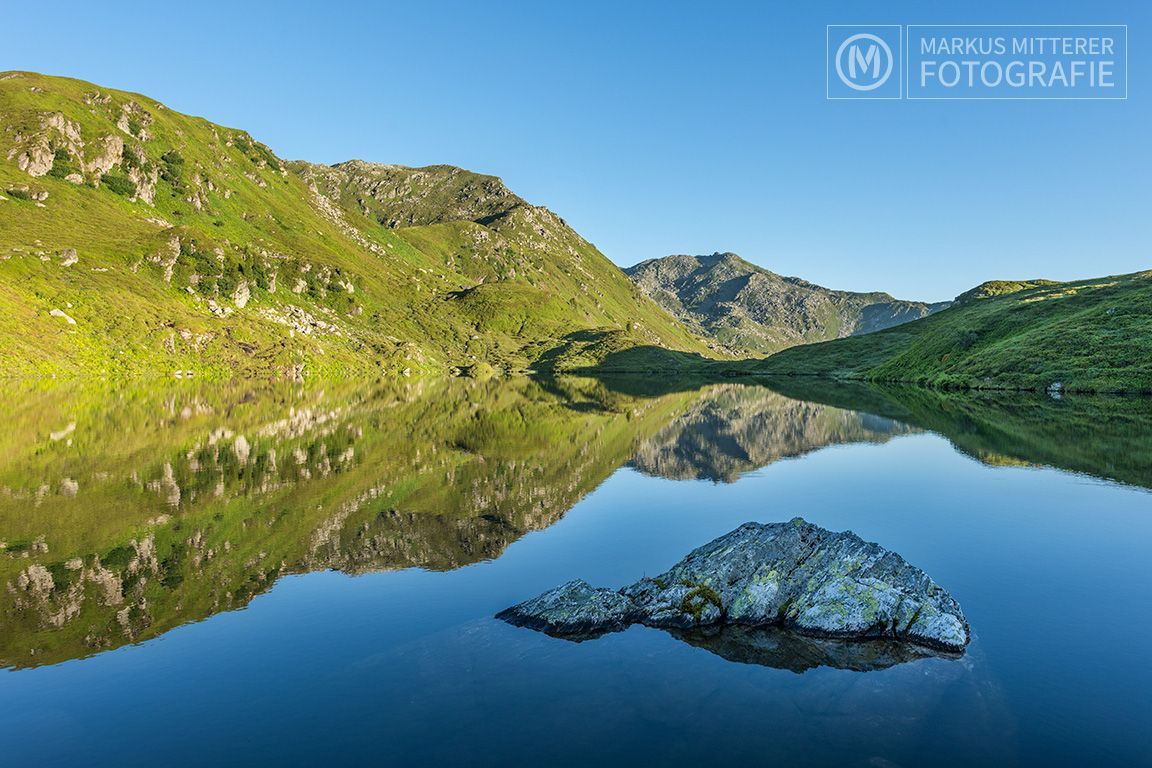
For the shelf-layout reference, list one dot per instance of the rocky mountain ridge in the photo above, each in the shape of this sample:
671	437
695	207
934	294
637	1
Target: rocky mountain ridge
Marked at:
752	310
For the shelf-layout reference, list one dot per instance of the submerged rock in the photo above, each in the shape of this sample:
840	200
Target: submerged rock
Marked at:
794	575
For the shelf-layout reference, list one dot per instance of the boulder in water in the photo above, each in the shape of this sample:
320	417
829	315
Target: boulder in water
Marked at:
794	575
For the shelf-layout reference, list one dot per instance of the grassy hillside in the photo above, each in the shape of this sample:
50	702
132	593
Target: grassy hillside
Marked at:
752	310
1089	335
991	288
137	240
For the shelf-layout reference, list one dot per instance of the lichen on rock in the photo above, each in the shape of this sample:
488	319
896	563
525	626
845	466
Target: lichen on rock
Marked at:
794	575
575	609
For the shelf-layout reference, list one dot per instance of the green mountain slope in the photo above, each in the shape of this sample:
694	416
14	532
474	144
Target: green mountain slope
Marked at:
750	309
991	288
136	240
1089	335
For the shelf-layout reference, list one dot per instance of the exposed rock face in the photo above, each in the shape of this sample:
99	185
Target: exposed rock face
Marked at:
145	180
241	295
109	155
36	161
795	575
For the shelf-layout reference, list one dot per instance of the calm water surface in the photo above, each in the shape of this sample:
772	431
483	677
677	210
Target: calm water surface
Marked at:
297	576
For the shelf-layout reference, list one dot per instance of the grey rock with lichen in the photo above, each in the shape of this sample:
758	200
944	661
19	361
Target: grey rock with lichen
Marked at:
574	609
795	575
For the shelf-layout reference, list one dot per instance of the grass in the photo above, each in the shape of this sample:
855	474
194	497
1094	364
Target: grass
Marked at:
1084	336
226	213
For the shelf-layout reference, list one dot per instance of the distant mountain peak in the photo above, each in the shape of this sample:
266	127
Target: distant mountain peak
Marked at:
751	309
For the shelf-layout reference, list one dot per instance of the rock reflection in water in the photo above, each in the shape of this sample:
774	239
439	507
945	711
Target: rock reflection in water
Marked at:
785	649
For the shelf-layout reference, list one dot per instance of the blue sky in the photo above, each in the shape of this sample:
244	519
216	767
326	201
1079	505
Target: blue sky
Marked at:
659	128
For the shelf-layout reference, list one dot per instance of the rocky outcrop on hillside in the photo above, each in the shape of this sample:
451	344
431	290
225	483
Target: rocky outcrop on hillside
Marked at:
399	196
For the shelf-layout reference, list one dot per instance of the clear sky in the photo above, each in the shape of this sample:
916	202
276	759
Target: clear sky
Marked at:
665	127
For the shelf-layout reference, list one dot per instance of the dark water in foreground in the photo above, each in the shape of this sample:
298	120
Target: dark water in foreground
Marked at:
198	575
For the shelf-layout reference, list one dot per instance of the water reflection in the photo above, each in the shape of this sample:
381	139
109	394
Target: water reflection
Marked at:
781	649
735	428
126	511
1098	435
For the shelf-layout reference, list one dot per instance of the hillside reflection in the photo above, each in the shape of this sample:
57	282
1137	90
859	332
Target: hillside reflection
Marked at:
126	510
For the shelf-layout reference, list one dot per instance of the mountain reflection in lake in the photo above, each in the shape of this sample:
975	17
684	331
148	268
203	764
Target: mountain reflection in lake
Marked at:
733	428
128	510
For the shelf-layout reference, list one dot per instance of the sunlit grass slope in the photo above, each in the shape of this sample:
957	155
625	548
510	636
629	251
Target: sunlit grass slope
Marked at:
137	240
1088	335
